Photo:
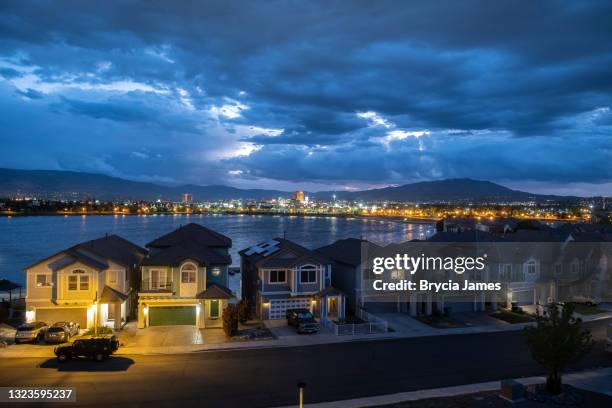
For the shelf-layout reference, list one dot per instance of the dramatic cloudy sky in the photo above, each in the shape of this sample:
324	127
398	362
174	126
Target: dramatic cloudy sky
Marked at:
311	95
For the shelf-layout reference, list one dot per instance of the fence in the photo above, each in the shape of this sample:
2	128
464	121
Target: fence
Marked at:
373	324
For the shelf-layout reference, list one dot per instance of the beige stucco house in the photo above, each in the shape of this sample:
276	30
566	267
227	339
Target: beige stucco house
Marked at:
89	283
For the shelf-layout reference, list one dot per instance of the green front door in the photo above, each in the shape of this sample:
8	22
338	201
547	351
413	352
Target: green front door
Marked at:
172	315
214	308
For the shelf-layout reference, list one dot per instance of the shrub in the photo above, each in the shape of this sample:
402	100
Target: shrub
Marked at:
244	311
101	330
230	320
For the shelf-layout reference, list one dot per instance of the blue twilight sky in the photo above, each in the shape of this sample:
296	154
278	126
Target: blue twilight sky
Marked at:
312	95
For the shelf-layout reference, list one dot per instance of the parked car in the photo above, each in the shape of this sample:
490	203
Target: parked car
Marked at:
586	299
61	332
302	320
34	332
97	348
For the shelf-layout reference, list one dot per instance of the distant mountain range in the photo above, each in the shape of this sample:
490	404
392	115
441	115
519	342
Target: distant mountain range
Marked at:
51	183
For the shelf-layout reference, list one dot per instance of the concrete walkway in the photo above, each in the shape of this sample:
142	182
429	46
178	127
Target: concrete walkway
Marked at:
166	343
594	380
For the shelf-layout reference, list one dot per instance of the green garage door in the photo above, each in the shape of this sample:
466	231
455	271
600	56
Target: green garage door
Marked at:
168	316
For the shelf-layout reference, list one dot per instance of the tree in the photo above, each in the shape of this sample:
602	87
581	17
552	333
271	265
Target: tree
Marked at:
230	320
243	311
556	341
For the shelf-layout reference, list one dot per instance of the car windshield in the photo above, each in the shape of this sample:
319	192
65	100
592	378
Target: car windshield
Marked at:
305	315
56	329
26	327
60	324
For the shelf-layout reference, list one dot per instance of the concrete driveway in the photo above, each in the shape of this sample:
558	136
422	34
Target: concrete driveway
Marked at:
169	336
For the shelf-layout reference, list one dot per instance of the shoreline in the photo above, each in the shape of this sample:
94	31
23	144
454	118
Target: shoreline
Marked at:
405	220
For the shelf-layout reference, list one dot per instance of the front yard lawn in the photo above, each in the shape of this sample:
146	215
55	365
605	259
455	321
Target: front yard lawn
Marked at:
512	317
586	310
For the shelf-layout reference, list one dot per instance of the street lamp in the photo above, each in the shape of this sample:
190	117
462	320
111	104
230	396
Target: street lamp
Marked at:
301	386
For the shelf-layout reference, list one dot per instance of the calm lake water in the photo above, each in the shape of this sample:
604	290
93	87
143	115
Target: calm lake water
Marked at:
24	240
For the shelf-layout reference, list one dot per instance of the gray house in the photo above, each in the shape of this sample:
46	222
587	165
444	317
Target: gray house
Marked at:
279	274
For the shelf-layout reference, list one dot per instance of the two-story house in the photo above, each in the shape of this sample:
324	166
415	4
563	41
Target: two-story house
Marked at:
185	280
89	283
279	274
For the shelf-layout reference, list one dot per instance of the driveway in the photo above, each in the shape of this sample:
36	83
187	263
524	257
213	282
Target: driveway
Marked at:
169	336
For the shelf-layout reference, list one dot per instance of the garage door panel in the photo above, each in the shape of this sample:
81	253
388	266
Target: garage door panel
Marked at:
278	308
172	315
50	316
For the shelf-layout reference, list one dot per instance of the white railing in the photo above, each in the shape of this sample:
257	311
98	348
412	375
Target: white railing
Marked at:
372	324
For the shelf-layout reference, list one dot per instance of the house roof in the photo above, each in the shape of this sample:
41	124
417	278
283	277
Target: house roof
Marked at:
329	291
175	255
464	236
348	251
97	252
110	295
281	253
215	291
194	233
192	241
6	285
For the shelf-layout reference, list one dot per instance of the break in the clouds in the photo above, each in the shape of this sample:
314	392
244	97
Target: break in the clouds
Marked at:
315	95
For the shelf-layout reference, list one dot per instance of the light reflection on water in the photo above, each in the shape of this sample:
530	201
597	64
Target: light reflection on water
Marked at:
24	240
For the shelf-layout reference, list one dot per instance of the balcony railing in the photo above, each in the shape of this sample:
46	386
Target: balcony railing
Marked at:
156	286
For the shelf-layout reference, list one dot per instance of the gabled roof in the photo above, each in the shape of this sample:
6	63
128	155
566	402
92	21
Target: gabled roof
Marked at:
464	236
110	295
194	233
287	255
97	252
215	291
348	251
175	255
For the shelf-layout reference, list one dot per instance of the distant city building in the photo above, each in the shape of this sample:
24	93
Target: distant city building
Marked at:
299	196
187	198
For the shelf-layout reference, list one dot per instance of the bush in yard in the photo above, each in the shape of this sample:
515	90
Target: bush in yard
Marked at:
244	311
230	320
101	330
556	341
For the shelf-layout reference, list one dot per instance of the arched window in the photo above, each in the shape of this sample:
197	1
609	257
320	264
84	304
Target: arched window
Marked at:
188	273
78	280
308	274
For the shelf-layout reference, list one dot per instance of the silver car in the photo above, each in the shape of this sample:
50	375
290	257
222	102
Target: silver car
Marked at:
34	332
61	332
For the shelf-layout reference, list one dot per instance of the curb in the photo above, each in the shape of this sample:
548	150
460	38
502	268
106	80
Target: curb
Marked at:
397	398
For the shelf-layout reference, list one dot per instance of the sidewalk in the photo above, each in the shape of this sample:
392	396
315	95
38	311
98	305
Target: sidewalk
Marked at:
286	337
594	380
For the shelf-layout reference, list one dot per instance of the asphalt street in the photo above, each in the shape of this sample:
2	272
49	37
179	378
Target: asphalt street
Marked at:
268	377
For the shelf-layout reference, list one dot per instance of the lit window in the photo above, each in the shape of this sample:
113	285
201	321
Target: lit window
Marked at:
73	282
84	283
278	277
43	280
188	273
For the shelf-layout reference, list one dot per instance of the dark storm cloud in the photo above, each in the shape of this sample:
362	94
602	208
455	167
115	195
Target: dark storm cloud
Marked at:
318	91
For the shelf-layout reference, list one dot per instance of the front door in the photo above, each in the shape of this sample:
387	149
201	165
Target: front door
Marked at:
214	308
189	285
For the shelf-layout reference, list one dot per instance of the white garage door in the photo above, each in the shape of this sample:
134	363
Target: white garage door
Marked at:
60	314
523	297
278	308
